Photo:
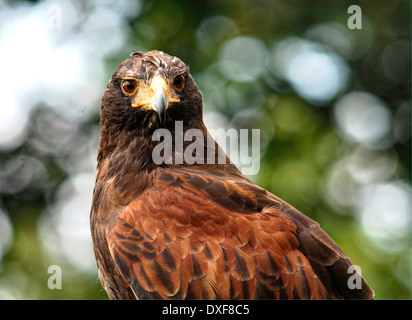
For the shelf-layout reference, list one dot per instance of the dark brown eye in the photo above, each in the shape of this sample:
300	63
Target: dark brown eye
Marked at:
179	82
129	86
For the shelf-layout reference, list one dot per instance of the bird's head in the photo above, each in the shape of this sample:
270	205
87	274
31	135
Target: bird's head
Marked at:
151	89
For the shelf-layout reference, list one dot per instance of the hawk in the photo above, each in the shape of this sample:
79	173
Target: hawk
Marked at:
194	230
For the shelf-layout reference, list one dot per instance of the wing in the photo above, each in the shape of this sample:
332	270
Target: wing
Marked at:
201	236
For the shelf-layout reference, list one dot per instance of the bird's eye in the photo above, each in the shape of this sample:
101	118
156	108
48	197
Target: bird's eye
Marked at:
179	82
129	86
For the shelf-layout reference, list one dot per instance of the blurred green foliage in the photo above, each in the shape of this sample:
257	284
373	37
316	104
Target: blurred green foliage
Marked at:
302	144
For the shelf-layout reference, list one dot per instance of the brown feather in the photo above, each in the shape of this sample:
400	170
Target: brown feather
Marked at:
200	231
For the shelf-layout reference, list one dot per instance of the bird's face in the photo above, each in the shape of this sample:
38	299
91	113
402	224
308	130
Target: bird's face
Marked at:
152	89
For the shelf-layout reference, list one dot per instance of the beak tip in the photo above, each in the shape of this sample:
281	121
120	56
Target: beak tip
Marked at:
159	103
162	118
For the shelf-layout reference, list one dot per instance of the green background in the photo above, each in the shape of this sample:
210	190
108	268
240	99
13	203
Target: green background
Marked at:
356	184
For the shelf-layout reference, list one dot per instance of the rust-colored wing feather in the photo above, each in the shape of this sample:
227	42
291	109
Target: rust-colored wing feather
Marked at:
197	235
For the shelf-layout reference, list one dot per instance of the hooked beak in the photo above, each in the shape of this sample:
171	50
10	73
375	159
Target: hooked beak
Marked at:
157	96
159	103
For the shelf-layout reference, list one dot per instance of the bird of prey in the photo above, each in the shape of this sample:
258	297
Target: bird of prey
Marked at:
179	230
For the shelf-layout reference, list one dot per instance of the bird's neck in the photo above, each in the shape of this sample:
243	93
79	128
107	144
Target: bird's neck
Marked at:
130	160
124	163
120	149
147	149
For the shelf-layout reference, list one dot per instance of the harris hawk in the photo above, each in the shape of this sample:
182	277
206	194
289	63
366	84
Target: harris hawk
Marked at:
195	230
